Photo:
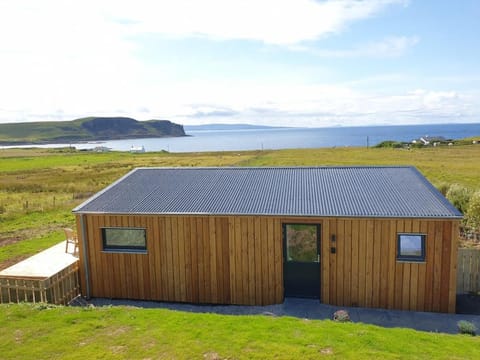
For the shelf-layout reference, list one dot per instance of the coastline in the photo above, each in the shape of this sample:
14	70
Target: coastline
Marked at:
100	140
265	139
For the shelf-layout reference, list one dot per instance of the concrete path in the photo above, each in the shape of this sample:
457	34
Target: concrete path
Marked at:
312	309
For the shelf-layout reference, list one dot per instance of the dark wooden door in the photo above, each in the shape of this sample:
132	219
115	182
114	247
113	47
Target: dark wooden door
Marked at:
301	265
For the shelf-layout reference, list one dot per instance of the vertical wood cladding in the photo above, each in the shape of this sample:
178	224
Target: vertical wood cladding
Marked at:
200	259
364	270
239	260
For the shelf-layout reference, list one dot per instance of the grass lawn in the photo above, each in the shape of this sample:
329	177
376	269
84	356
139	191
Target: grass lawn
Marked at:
42	332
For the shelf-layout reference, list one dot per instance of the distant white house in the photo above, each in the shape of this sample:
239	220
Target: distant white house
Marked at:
137	149
432	139
427	140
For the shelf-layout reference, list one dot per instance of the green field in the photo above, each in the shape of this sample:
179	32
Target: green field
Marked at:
133	333
38	189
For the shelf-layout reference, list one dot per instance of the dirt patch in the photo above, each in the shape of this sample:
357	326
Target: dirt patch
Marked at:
10	238
326	351
211	356
21	235
4	241
118	331
18	336
118	349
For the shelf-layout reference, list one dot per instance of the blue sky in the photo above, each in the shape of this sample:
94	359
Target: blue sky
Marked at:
296	63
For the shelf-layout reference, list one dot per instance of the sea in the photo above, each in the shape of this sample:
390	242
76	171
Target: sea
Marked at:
282	138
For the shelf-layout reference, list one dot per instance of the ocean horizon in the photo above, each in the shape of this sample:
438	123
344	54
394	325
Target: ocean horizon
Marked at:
280	138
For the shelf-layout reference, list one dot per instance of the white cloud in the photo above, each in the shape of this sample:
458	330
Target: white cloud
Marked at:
57	54
393	46
278	22
317	105
67	59
299	104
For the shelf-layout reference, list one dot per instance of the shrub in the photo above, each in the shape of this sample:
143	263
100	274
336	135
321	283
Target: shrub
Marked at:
443	188
473	212
466	327
389	144
459	196
341	316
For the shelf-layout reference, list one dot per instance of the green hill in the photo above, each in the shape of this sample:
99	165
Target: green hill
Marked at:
86	129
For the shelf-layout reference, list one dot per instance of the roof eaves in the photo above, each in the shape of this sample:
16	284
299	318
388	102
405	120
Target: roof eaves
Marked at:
438	195
379	216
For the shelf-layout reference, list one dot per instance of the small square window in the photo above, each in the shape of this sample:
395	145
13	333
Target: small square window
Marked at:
411	247
124	239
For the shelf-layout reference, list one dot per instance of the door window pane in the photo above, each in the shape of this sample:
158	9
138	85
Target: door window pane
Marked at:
301	242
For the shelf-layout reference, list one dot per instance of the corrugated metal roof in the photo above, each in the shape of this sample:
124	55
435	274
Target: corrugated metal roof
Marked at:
294	191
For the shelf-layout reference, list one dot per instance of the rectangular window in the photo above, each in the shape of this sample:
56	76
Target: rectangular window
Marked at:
411	247
124	239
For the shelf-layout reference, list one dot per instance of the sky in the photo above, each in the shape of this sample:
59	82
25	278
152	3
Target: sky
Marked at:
267	62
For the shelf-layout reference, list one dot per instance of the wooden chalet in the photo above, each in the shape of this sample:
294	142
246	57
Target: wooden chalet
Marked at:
379	237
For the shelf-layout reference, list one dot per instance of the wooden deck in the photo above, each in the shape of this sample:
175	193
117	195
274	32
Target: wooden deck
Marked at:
50	276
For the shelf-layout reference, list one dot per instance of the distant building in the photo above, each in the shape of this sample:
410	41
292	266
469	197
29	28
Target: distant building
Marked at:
427	140
137	149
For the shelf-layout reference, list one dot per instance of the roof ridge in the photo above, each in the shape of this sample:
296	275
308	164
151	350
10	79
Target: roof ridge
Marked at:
275	167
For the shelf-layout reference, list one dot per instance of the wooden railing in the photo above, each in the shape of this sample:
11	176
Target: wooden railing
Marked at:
468	271
59	289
